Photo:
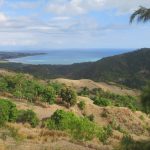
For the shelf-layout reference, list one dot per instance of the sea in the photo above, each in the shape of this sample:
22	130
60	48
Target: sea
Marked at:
69	56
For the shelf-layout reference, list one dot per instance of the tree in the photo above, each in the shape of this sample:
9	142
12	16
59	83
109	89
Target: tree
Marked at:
142	15
69	96
49	95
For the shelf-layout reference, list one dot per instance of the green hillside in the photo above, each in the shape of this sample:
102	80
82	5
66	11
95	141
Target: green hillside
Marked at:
131	69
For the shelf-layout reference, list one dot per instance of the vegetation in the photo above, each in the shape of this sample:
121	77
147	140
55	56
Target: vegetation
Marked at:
142	14
102	101
145	96
10	55
24	87
28	116
68	96
84	92
128	143
57	86
90	117
122	69
8	111
102	98
81	105
79	127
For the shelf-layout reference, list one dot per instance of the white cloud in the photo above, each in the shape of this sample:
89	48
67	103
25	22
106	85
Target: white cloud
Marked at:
3	18
76	7
125	5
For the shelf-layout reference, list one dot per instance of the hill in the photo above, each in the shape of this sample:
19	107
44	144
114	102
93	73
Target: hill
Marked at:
29	108
111	87
131	69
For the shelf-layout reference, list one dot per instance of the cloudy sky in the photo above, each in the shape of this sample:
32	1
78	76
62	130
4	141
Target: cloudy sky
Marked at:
49	24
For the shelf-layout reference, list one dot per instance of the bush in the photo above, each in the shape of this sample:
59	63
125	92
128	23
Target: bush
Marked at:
49	95
128	143
8	111
57	86
79	127
68	96
103	98
84	92
91	117
107	132
102	101
145	96
81	105
22	86
3	84
28	116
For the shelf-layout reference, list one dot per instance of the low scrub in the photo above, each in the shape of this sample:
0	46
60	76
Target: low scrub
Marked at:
81	105
145	96
28	116
103	98
8	111
128	143
24	87
81	128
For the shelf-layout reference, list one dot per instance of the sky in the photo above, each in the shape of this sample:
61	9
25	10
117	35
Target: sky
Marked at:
64	24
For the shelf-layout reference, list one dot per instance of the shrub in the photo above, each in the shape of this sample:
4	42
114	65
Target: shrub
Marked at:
3	84
81	105
79	127
128	143
57	86
49	95
107	132
8	111
103	98
28	116
102	101
145	96
69	96
84	92
22	86
91	117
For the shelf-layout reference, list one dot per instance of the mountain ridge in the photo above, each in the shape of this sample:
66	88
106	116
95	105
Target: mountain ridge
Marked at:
126	69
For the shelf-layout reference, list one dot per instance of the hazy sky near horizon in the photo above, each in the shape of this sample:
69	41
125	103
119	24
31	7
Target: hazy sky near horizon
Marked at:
49	24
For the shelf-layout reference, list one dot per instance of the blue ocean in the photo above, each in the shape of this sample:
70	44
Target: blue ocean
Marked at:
69	56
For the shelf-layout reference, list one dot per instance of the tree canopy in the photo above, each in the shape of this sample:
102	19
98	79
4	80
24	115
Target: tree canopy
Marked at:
142	15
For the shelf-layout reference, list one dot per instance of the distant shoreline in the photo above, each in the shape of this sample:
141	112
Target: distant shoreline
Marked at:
6	56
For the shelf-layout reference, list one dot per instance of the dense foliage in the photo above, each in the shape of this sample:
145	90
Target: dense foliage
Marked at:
145	96
105	98
68	96
79	127
131	69
25	87
8	111
28	116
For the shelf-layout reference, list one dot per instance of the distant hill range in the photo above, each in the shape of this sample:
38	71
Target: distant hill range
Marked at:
131	69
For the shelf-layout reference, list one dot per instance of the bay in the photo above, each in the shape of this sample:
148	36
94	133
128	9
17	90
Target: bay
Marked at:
71	56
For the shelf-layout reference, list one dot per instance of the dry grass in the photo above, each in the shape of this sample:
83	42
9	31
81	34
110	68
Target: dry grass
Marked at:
78	84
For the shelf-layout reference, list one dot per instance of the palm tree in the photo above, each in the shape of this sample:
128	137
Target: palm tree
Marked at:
142	15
